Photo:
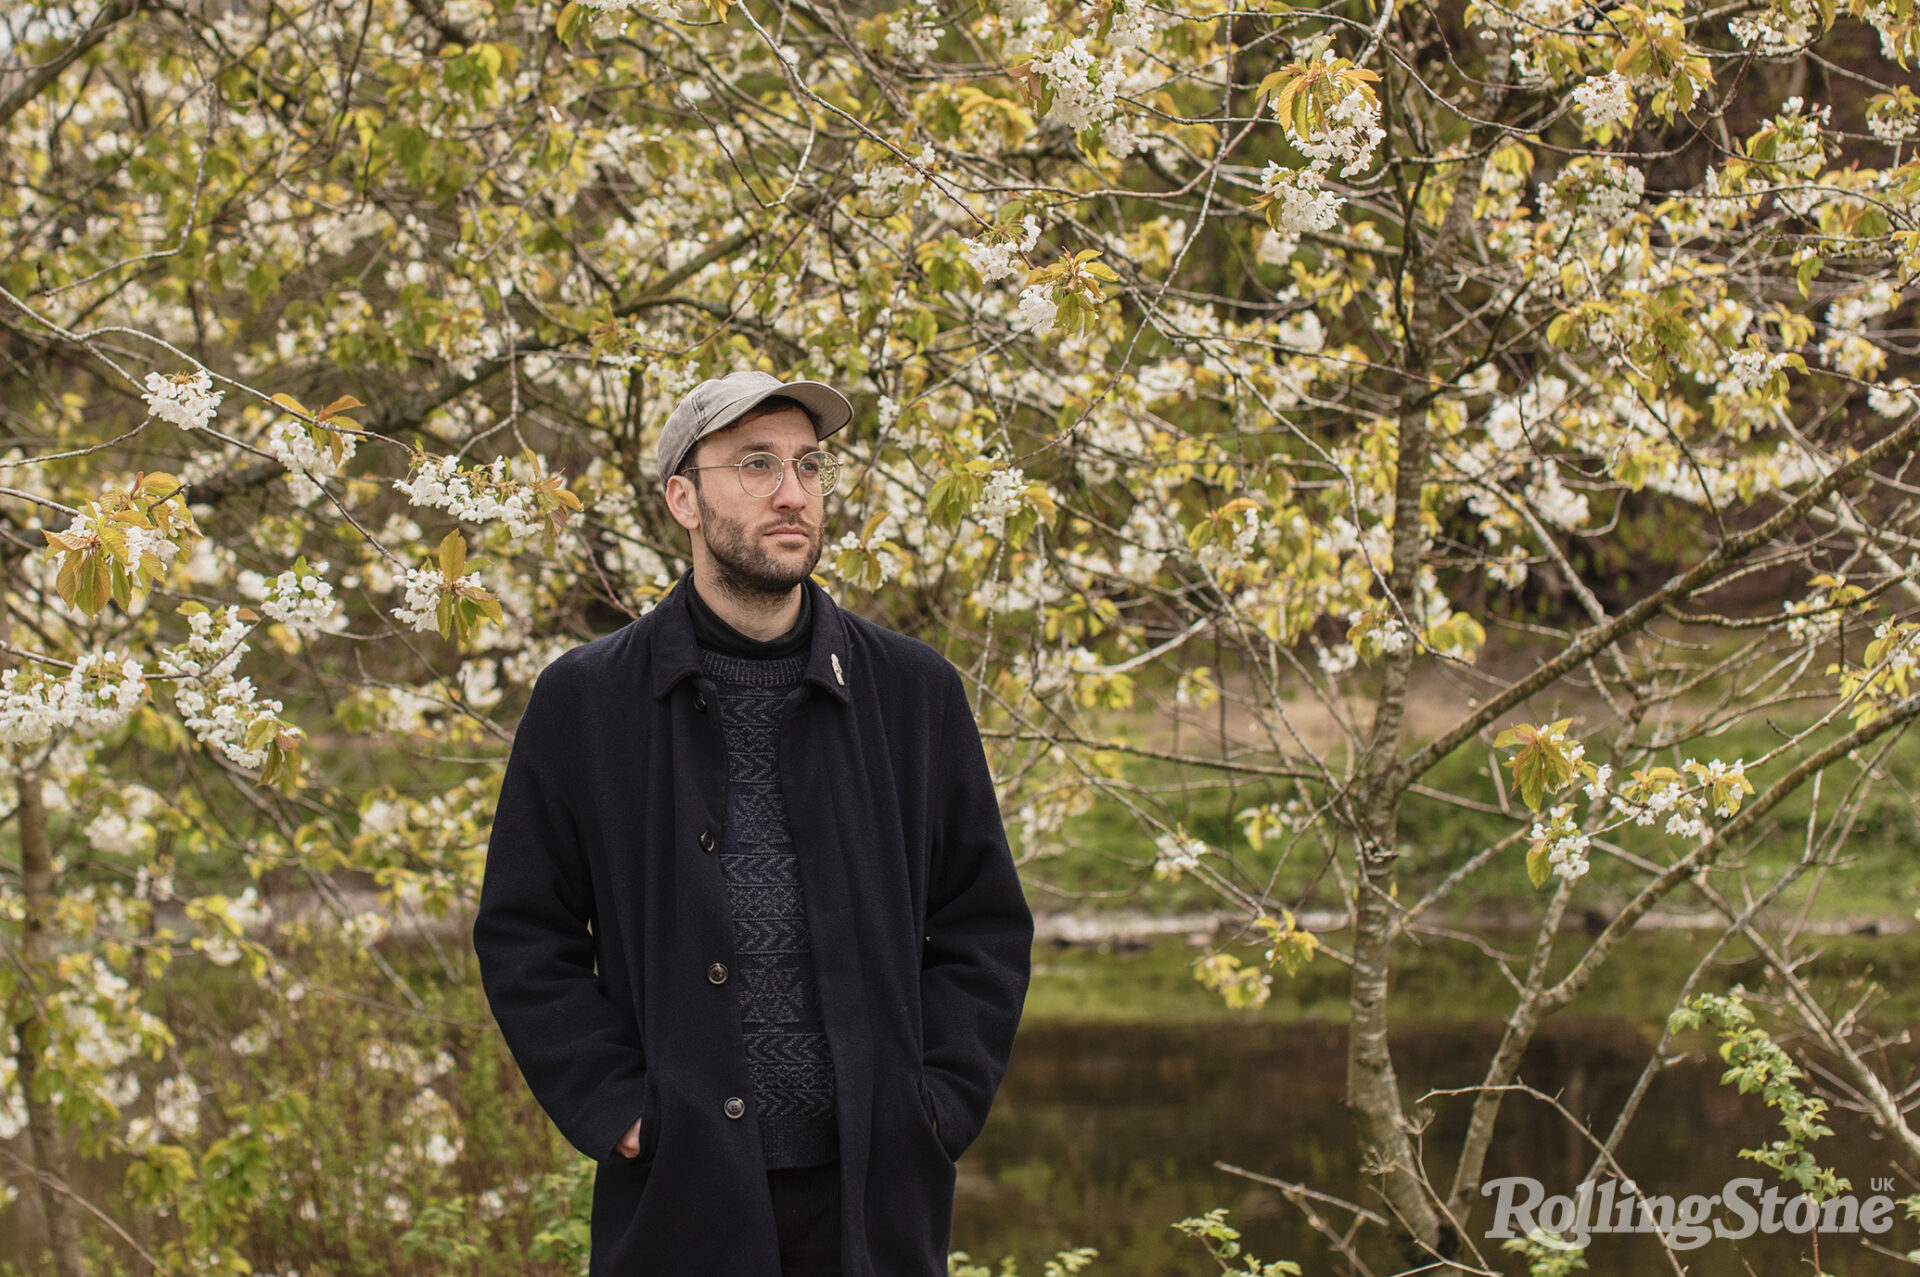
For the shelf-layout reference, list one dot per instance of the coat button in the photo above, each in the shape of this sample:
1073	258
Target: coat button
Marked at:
736	1107
706	840
700	701
717	973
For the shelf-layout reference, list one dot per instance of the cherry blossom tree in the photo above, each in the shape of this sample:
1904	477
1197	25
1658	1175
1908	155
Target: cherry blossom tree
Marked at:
1219	365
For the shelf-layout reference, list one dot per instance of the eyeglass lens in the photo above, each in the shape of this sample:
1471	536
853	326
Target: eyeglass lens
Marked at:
761	472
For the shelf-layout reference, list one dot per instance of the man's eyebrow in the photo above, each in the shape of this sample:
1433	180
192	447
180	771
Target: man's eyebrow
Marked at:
741	450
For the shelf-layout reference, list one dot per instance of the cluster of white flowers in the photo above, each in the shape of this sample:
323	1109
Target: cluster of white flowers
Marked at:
1135	26
302	602
1850	314
1177	853
219	709
1496	16
1146	540
666	9
1390	636
477	494
1670	799
1799	150
406	1060
1565	843
296	449
1812	622
1352	132
1555	502
142	542
1305	203
480	688
1598	191
1338	659
1752	368
887	410
914	30
1048	671
97	695
1302	332
176	1105
994	257
1596	789
1903	653
1605	99
1084	88
1027	590
1038	309
1001	497
1895	398
127	830
188	400
251	1041
1779	28
1892	121
424	587
889	184
365	928
1719	773
245	912
1216	556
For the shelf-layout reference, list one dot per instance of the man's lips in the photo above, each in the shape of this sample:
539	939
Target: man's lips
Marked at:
786	532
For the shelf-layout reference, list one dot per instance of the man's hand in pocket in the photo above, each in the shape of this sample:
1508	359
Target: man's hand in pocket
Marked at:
629	1145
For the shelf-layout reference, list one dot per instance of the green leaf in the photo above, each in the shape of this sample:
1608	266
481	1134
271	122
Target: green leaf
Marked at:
1538	870
453	556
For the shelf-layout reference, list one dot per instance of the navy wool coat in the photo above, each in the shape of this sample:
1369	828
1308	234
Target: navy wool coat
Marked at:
603	912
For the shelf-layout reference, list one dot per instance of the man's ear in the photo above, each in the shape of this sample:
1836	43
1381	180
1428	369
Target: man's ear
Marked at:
681	502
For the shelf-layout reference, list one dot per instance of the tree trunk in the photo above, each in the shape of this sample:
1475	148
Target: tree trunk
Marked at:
30	1034
1373	1091
29	1029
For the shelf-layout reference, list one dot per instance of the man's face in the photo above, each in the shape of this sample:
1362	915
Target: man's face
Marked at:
757	545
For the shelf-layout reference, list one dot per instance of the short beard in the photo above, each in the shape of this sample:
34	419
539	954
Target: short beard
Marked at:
744	570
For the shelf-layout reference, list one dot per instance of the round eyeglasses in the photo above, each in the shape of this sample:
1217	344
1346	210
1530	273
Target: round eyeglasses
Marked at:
761	472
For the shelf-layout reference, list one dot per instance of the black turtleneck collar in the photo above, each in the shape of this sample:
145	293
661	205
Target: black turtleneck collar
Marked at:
709	631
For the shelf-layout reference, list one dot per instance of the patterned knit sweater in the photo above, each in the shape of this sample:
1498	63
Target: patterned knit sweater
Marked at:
788	1062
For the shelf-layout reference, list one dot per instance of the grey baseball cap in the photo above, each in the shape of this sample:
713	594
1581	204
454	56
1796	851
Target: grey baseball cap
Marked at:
718	402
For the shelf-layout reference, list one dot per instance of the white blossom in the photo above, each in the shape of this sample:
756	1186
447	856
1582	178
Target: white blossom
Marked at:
1305	204
995	258
99	694
1555	502
304	603
1752	368
1605	100
477	494
1002	496
176	1105
296	449
1563	841
1083	86
1038	309
914	30
1594	192
1777	28
424	587
188	400
1177	853
1352	132
1895	398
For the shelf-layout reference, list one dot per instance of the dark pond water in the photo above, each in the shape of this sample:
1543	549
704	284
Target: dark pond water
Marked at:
1105	1134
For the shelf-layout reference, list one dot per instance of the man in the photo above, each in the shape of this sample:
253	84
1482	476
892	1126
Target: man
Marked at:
749	922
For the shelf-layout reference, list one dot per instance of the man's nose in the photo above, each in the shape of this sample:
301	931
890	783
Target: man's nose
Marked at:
789	495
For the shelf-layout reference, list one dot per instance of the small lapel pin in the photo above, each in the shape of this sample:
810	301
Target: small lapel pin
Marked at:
838	677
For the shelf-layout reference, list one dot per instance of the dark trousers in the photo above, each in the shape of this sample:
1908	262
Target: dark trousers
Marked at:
806	1215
